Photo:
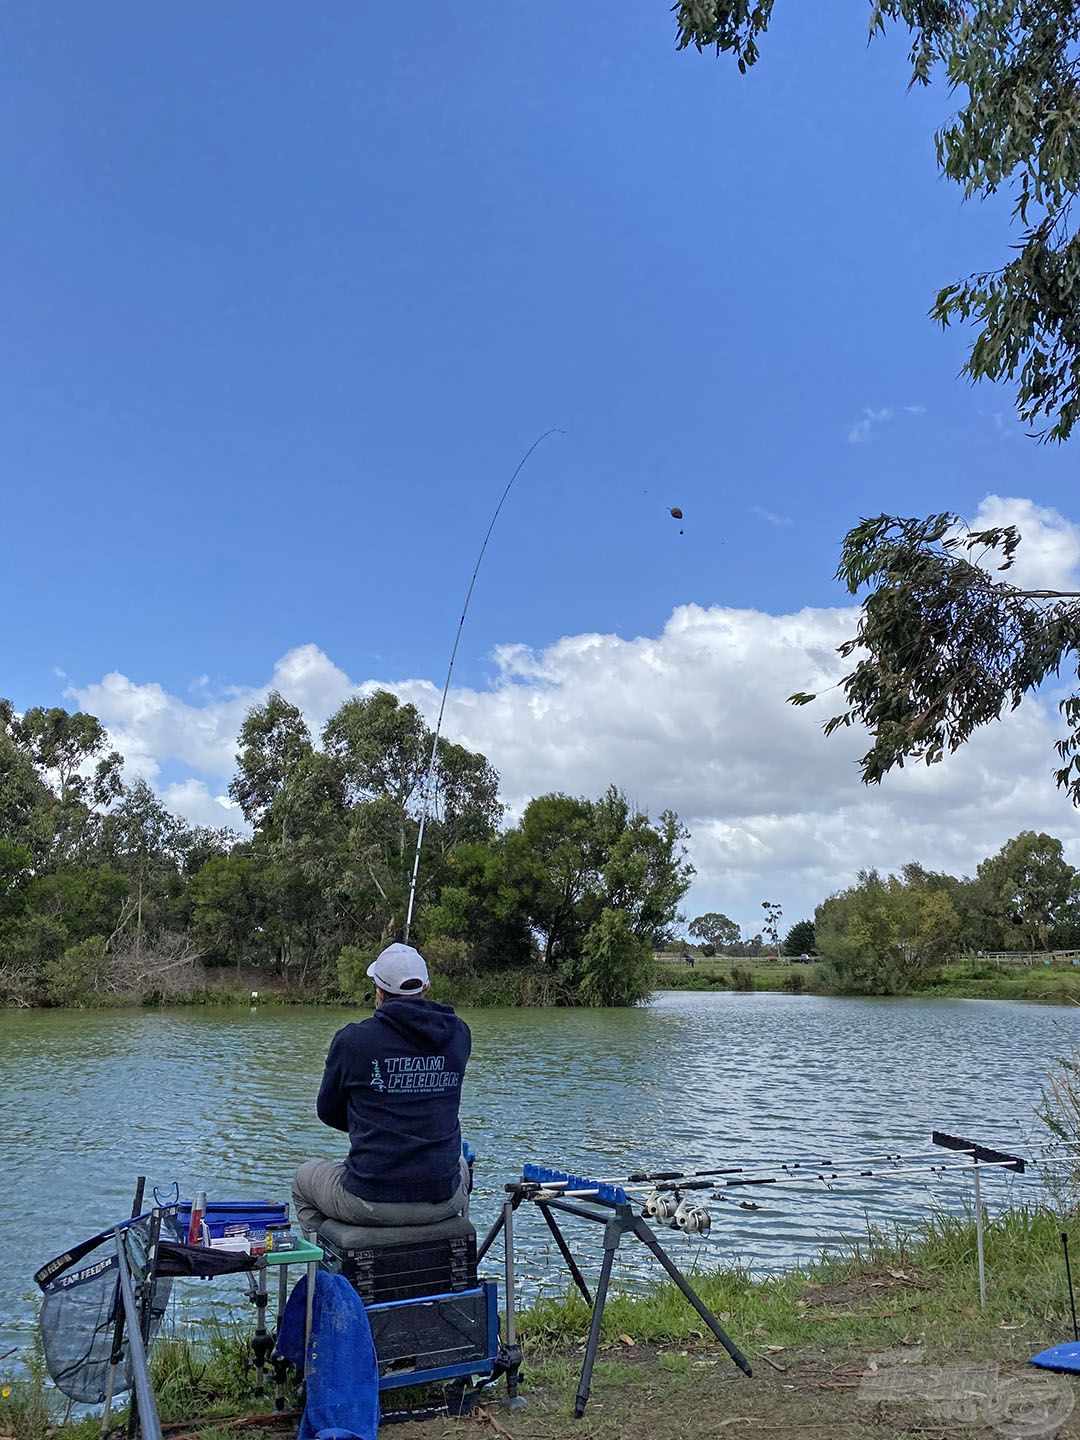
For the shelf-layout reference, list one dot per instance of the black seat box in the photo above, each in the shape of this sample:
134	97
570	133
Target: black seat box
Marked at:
402	1262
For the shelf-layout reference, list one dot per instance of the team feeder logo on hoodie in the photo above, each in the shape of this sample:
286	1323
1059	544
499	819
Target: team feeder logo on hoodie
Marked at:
414	1072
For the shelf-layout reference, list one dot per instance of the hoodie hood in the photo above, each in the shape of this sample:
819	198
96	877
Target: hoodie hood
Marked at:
424	1024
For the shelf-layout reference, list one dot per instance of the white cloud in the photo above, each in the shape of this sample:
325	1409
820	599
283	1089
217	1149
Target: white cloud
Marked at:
695	719
1048	556
771	517
871	420
192	799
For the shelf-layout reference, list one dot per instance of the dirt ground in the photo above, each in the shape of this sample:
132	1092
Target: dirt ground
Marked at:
695	1394
823	1386
683	1394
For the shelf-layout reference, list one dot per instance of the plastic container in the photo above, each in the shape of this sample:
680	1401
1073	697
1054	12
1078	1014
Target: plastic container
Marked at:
195	1223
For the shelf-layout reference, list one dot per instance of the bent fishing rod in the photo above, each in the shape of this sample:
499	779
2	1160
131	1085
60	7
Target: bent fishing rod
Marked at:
429	776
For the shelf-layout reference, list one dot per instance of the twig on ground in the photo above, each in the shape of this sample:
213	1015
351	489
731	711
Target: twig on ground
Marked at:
183	1429
486	1418
781	1369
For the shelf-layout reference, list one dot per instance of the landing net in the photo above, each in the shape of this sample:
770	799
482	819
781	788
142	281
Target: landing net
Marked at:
80	1305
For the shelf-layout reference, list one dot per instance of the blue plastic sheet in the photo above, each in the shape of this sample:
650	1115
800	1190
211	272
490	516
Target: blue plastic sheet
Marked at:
1060	1357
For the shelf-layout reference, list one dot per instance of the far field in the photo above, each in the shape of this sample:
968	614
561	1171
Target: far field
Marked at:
967	977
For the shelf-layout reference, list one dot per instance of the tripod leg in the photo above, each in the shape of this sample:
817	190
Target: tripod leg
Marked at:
262	1341
493	1234
564	1251
612	1234
511	1354
117	1353
645	1235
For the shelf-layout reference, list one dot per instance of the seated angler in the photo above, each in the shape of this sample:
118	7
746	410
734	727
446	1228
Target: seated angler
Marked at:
393	1082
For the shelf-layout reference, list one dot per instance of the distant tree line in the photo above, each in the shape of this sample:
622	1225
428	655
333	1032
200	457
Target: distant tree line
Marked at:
104	894
717	934
892	933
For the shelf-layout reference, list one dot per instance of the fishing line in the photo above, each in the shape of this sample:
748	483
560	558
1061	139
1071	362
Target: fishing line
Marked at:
428	777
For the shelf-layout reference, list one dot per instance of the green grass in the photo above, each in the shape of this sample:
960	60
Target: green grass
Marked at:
1060	983
884	1286
715	974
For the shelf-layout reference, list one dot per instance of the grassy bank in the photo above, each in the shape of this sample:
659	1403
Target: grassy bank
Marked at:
814	1338
1059	983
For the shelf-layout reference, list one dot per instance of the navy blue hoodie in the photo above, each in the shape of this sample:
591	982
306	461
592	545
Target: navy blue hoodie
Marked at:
394	1083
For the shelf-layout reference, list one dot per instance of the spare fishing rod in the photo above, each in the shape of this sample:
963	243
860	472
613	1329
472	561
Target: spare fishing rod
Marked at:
895	1158
425	804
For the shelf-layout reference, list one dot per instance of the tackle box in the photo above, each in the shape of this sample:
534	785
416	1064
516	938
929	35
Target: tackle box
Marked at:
390	1265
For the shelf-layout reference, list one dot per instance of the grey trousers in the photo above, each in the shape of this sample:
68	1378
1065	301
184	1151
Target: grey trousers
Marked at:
319	1195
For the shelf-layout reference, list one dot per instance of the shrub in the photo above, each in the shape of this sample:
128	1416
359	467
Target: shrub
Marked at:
447	956
1059	1111
741	979
351	970
616	966
78	976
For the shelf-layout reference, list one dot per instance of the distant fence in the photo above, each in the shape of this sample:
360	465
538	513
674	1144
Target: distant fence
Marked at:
1004	958
680	957
1018	957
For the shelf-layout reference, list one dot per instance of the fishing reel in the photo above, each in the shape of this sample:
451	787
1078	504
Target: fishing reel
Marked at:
692	1219
675	1210
661	1207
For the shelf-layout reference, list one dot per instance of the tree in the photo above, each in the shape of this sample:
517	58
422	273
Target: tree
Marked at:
883	936
1018	128
16	873
800	938
572	858
86	901
70	752
226	907
947	648
25	801
1030	887
273	739
615	966
643	865
943	646
716	930
483	905
553	858
381	749
771	928
146	843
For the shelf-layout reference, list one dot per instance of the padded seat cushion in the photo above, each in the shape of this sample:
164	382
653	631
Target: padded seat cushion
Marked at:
375	1237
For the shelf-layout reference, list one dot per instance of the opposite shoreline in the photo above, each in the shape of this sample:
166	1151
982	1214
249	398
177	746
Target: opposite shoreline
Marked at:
532	989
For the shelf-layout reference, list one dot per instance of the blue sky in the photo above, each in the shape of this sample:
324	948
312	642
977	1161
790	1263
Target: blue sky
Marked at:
287	291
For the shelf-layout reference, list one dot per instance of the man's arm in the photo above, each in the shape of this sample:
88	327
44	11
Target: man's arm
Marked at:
332	1106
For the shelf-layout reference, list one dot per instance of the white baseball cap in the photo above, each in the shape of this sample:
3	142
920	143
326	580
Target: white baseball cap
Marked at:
400	970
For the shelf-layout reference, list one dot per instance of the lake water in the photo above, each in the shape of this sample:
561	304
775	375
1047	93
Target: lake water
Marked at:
224	1100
